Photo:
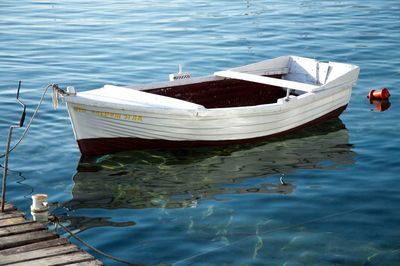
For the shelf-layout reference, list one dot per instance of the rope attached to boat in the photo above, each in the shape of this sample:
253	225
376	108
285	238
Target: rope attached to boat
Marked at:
57	94
54	219
55	97
30	121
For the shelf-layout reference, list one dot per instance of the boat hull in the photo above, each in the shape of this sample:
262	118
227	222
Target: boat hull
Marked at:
98	146
210	111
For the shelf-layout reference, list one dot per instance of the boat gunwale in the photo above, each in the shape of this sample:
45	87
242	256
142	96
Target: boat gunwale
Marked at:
200	112
77	99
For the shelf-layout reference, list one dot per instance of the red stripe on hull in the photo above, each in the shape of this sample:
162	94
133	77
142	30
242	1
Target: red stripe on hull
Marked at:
92	147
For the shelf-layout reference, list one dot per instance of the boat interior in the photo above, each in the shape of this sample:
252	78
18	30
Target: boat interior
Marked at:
260	83
224	93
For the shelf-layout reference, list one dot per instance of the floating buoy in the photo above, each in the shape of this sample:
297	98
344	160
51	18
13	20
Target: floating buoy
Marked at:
379	94
381	105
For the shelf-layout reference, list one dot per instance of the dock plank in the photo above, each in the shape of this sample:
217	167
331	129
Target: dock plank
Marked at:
12	221
35	246
87	263
8	207
24	242
21	228
76	257
38	254
12	214
27	238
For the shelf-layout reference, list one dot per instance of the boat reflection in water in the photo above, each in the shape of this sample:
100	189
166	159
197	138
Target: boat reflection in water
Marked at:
180	178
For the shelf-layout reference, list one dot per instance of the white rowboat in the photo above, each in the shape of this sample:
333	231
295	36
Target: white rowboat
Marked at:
247	103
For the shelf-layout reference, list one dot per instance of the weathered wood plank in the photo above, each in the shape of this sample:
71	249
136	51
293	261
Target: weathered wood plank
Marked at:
23	239
12	221
20	229
8	207
25	242
13	214
66	259
87	263
35	246
38	254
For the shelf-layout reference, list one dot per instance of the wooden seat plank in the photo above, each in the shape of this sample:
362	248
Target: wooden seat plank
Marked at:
267	80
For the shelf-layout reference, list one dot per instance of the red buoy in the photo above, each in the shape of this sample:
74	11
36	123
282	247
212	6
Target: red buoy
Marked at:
383	94
381	105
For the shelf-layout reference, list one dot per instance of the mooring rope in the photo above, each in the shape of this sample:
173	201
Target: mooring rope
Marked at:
30	121
56	221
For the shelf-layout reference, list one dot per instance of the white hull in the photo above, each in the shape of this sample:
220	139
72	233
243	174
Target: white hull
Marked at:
95	119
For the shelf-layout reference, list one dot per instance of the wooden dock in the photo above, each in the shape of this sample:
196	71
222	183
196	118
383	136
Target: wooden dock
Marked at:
24	242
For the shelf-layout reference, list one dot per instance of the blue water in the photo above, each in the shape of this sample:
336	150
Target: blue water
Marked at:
226	206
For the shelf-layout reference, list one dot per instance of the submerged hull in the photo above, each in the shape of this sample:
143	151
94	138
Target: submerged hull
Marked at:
101	127
222	168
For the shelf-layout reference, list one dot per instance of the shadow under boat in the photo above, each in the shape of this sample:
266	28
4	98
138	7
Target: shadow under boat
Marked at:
179	178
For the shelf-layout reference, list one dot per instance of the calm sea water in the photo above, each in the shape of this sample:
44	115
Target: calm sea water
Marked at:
341	203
